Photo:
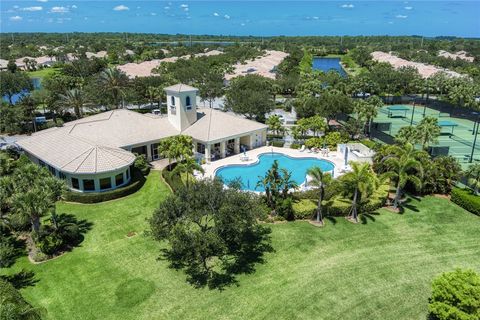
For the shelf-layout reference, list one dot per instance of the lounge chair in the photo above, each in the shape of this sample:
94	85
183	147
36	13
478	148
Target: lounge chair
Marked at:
302	148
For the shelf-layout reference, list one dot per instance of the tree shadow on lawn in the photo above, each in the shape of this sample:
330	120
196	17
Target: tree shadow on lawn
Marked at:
365	217
223	273
21	279
332	219
71	225
408	204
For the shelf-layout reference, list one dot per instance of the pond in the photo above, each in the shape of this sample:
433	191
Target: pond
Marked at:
327	64
37	84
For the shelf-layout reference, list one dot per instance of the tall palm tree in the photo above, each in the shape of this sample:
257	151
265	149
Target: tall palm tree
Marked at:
286	182
473	174
275	124
151	92
188	166
428	131
320	180
114	82
75	99
33	204
358	183
403	166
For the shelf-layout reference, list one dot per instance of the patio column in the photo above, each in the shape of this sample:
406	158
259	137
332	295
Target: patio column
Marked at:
208	153
250	144
236	146
149	152
223	147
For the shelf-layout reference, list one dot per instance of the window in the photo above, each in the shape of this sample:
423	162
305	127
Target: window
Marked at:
119	179
41	163
75	184
172	101
51	169
128	174
105	183
89	185
188	103
61	175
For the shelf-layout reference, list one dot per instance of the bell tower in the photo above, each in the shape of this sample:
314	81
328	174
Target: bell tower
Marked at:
181	105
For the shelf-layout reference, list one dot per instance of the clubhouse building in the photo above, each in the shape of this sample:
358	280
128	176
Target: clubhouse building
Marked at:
96	153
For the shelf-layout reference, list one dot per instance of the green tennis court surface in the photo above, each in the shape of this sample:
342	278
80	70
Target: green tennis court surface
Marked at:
457	134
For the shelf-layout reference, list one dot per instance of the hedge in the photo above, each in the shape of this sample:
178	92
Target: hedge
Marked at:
338	205
466	199
277	143
94	197
174	180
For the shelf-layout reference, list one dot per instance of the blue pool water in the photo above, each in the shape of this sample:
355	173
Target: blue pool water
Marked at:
327	64
249	174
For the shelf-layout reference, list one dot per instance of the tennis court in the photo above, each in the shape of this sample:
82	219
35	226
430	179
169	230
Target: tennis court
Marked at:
456	138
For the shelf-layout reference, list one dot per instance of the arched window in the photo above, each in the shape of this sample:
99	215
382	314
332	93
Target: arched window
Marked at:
172	99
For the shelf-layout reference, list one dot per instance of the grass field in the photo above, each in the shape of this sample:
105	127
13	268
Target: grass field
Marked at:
379	269
42	72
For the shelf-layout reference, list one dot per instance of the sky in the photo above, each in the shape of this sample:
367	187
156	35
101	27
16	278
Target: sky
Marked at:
259	18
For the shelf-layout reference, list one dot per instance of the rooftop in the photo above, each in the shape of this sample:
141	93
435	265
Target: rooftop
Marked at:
180	87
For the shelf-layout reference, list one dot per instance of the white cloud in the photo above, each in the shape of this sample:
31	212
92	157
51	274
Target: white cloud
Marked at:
74	7
184	6
185	9
59	10
36	8
42	0
121	8
348	6
226	16
401	16
85	18
16	7
390	22
408	8
315	18
16	18
166	8
242	24
153	14
215	14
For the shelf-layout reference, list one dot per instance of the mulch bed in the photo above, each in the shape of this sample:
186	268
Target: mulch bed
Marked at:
391	209
442	196
131	234
316	224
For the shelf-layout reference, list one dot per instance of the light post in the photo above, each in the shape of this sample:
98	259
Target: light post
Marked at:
426	101
474	123
413	112
474	139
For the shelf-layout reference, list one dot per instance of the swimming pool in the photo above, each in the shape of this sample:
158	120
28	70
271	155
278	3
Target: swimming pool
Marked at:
328	64
248	174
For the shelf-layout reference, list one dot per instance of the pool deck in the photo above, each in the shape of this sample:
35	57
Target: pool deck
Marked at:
333	157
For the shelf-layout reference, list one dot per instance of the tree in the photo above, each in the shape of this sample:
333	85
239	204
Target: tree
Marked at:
359	183
428	131
456	295
12	84
152	93
473	175
189	165
28	106
407	135
361	55
210	86
275	125
367	110
333	102
113	83
319	180
176	147
403	166
74	99
212	232
250	95
14	306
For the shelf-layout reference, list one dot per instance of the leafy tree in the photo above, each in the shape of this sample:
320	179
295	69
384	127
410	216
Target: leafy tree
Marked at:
176	147
359	183
456	295
320	180
212	232
333	102
14	83
13	306
210	86
141	163
367	110
361	55
28	107
188	166
10	118
113	83
407	135
250	95
403	166
473	175
428	131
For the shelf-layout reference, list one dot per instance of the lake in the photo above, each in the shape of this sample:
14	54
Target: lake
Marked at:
327	64
37	84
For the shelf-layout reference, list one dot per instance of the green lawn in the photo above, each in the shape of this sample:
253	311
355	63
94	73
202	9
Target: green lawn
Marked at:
380	269
42	72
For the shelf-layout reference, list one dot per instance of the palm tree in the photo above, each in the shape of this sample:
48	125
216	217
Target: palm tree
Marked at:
114	82
358	183
286	182
403	166
473	174
151	92
188	166
320	180
33	204
265	183
275	124
176	147
428	131
74	99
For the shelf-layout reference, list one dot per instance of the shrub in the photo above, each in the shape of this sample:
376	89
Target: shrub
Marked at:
295	146
466	199
141	164
314	143
285	209
173	180
94	197
13	305
278	144
456	295
49	244
304	209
